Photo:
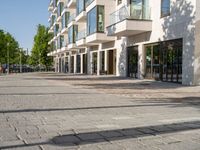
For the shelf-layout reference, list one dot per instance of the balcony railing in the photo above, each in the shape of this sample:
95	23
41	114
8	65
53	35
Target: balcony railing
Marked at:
137	12
88	2
81	35
72	18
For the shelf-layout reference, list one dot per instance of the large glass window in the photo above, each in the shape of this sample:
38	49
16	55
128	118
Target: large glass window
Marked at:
100	20
72	33
80	6
164	61
95	20
165	8
65	19
56	29
60	8
139	9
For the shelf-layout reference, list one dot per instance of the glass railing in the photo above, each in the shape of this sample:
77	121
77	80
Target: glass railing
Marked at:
72	18
88	2
81	35
139	12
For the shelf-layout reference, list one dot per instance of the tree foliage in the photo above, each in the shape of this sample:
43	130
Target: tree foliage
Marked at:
10	50
41	48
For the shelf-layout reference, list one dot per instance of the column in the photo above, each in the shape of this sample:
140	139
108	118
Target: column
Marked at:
106	61
75	64
82	64
141	62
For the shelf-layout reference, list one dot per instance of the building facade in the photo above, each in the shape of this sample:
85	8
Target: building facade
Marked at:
153	39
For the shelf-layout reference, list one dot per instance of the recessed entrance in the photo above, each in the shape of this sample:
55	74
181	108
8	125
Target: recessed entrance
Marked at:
78	64
84	63
132	53
72	65
111	62
94	63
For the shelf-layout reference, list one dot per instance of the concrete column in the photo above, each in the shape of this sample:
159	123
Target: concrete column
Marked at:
81	63
197	51
89	59
106	61
121	61
141	67
75	64
98	62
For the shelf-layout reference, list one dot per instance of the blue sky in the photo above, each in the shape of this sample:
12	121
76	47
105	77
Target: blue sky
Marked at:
21	17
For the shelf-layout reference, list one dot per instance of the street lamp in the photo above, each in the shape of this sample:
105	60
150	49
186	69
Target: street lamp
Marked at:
8	58
21	60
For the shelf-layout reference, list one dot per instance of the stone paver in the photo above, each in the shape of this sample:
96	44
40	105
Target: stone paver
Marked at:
57	111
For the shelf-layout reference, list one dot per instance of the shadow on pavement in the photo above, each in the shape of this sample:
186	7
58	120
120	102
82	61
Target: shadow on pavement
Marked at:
77	139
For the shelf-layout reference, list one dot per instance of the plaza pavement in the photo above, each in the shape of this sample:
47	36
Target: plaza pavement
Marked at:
57	111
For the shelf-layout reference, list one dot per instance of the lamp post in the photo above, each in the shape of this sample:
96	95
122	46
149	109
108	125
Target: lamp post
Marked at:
21	60
8	58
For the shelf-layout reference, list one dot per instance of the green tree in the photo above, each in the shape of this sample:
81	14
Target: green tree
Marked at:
12	48
41	48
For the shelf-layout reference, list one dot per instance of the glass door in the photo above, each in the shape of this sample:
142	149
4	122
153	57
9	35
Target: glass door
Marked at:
133	62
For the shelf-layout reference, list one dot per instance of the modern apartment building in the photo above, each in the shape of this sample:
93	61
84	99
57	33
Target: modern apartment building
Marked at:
153	39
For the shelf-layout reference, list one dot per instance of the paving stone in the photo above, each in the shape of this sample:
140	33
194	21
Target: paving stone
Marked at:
125	113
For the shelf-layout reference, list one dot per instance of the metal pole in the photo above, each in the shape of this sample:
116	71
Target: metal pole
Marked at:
8	59
20	60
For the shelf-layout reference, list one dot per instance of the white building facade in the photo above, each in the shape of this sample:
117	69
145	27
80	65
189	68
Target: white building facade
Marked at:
153	39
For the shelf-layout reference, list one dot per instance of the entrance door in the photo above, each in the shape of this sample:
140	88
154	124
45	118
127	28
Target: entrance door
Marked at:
112	62
132	53
84	63
72	64
78	63
94	63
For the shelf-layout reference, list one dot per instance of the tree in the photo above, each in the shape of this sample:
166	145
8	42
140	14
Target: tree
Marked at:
41	48
12	48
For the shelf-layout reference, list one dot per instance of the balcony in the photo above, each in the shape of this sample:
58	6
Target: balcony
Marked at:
71	4
81	17
130	21
88	2
50	6
80	39
80	11
97	38
71	20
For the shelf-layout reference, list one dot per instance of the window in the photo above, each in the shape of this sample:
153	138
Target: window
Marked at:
80	6
95	20
60	9
72	33
119	2
65	19
165	8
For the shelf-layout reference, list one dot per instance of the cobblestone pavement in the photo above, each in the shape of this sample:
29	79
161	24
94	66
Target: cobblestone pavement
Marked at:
56	111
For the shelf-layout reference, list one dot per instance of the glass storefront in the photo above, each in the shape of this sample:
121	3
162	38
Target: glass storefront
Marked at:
164	61
78	64
132	53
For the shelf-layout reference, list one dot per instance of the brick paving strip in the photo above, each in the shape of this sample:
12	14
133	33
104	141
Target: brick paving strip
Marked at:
57	111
